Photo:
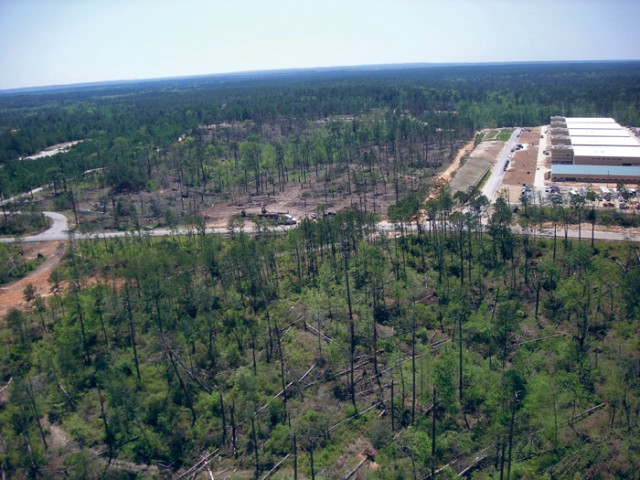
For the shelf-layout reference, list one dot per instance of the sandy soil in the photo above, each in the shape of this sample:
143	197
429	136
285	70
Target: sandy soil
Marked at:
490	148
292	201
448	173
11	295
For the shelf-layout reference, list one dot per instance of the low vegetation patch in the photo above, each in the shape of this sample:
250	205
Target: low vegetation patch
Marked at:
13	224
13	265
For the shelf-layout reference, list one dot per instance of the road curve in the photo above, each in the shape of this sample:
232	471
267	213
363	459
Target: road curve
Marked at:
57	231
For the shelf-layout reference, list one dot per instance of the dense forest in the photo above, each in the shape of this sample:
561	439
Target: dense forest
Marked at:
464	346
448	351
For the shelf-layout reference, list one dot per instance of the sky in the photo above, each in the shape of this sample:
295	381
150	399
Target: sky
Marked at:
58	42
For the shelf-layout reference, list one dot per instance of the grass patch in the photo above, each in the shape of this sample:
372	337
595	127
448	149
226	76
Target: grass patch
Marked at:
505	134
500	134
491	135
484	179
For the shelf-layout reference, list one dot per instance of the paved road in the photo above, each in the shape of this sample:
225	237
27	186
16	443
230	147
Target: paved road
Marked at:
59	227
59	232
494	181
585	234
22	195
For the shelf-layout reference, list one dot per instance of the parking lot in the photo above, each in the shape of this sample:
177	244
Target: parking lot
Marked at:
602	196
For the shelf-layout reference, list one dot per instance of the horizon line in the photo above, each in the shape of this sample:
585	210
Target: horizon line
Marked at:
272	71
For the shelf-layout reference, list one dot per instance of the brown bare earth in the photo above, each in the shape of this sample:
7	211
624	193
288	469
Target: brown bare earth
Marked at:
11	295
522	169
296	200
450	172
489	149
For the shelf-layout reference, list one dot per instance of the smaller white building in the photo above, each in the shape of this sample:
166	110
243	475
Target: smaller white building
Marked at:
624	156
588	120
605	142
593	126
584	132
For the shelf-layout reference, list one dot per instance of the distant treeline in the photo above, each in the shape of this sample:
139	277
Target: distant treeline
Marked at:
455	99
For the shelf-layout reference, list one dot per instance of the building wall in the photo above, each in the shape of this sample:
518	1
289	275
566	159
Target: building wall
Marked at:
593	178
560	154
604	142
580	160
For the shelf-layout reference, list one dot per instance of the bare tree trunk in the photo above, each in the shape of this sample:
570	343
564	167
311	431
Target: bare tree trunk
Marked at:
232	409
85	346
313	473
182	386
224	420
460	358
282	378
413	369
36	414
132	333
434	412
295	457
352	334
254	439
103	415
393	421
513	417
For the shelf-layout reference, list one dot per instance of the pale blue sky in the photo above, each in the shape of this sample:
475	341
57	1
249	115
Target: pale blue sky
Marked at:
53	42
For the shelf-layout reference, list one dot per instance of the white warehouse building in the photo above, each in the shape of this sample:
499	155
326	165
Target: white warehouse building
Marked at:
581	141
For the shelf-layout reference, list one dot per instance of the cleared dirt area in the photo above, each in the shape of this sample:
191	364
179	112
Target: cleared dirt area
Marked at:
11	295
522	168
299	200
449	173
